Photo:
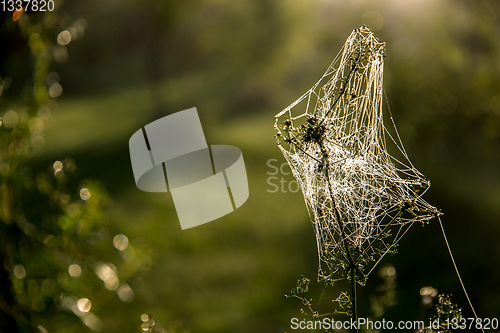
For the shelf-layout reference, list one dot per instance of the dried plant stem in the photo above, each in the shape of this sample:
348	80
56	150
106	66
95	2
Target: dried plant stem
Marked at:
354	297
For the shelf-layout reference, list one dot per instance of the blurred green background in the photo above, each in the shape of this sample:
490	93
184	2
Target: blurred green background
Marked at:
240	63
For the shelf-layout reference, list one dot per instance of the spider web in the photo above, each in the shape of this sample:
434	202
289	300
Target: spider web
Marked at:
360	198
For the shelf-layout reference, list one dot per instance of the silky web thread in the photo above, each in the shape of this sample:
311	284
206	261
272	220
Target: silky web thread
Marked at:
456	270
361	199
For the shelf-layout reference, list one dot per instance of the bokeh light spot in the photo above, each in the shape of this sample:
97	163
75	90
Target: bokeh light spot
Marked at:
53	78
84	304
17	14
55	90
120	242
125	293
10	119
108	275
80	25
64	37
44	112
58	166
93	322
85	193
111	282
19	272
103	271
75	270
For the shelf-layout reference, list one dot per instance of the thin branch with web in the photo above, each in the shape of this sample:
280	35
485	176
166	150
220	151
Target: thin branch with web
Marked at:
361	199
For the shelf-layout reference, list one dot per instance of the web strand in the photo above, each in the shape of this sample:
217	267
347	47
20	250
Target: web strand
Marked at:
360	198
456	270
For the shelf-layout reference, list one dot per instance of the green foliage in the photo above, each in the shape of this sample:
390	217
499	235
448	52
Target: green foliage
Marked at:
345	303
446	310
344	300
52	224
447	318
300	292
302	285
